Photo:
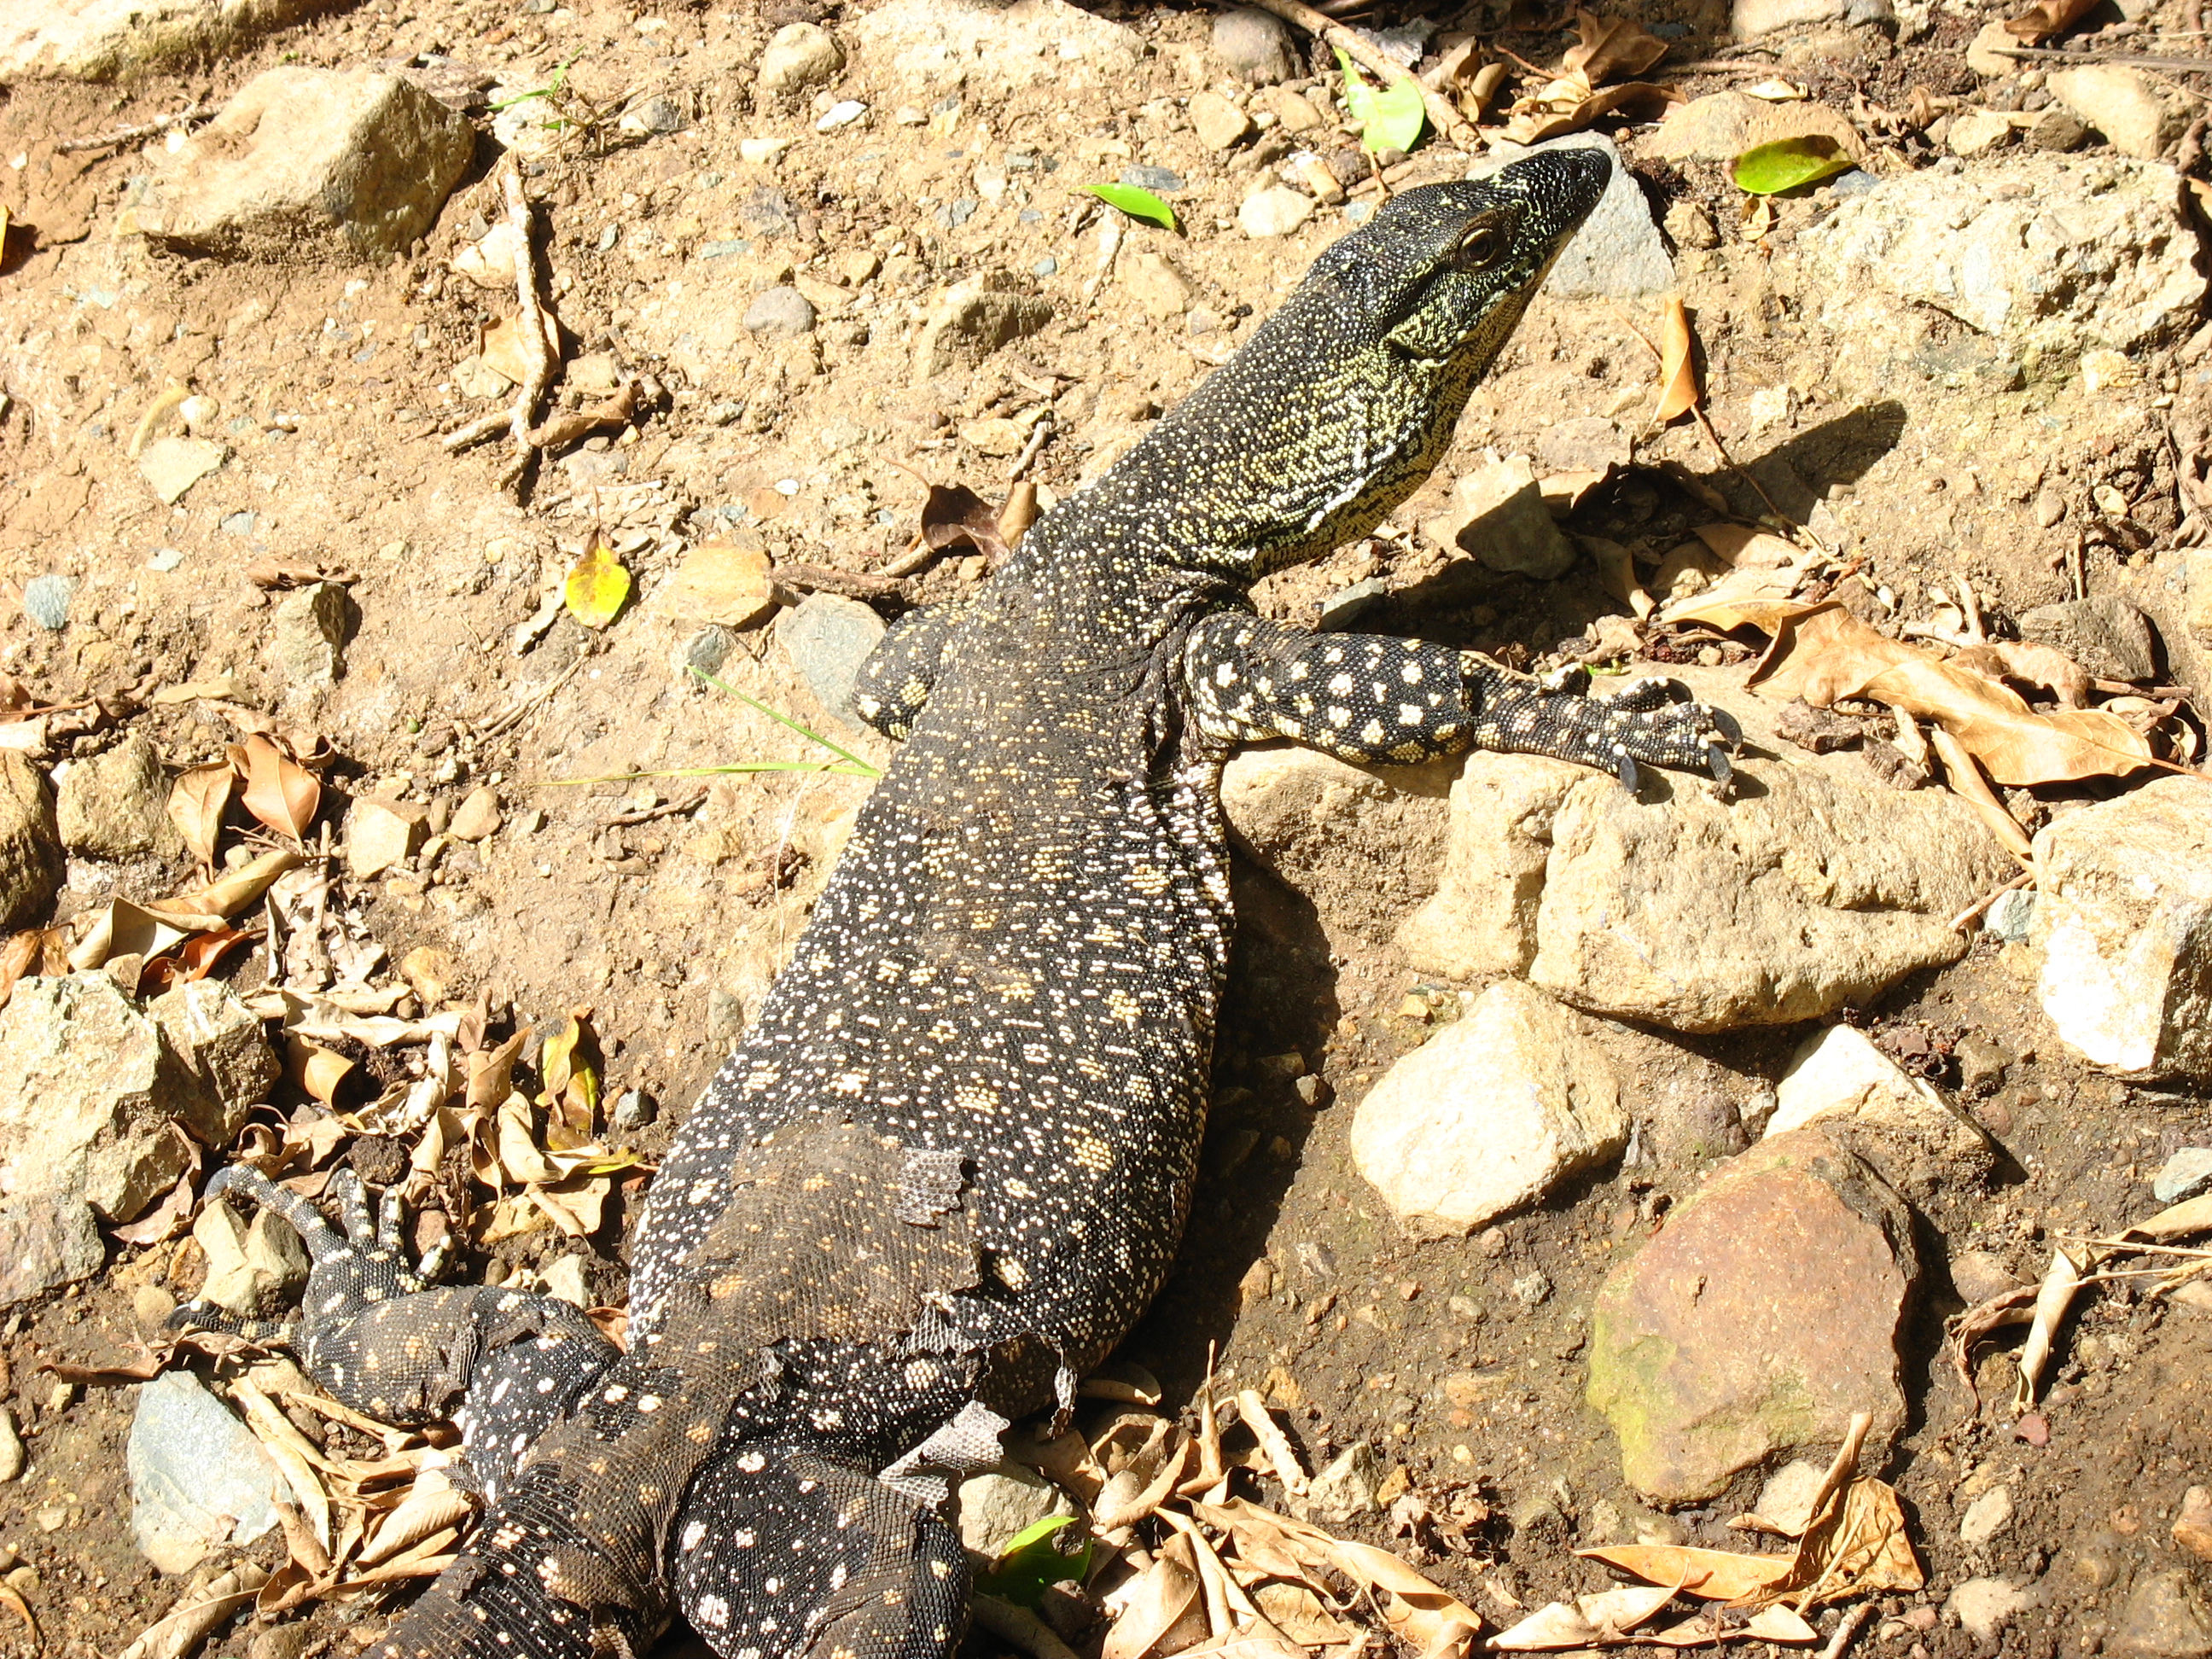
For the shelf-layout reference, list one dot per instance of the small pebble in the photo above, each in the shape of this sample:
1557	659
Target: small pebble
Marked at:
1274	211
757	151
165	559
1045	267
2184	1175
1159	180
842	113
46	600
11	1447
782	313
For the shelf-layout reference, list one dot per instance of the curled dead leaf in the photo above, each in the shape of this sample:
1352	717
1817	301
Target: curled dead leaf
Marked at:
197	800
955	515
1611	46
2044	19
1678	374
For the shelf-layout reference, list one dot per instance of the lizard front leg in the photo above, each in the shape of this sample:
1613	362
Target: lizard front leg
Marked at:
896	679
1378	699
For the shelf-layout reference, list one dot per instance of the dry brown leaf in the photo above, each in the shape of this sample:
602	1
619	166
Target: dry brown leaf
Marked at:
955	515
1253	1411
179	1631
1611	46
1593	1621
1856	1547
166	1219
1678	373
125	929
1822	653
225	897
1568	105
279	792
568	426
197	800
18	955
1418	1611
2012	1307
1710	1574
315	1069
575	1205
2191	1215
8	1594
2044	19
1164	1613
507	352
2061	1282
431	1506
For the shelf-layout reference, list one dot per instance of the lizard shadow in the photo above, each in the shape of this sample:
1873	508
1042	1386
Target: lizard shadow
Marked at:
1281	1001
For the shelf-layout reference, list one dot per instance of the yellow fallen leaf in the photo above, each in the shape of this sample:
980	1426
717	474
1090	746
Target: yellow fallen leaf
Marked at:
598	587
1677	375
1710	1574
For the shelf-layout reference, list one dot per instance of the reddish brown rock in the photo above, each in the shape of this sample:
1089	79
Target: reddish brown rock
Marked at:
1758	1322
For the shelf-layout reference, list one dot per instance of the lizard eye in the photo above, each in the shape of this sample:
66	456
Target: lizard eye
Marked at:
1480	248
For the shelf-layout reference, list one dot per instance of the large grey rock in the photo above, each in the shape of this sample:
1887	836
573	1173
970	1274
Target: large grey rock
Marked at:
2137	114
2123	920
251	1264
998	1503
1362	843
1490	1114
972	320
989	48
352	163
1344	1489
2106	635
1749	19
1754	1325
1619	253
31	862
827	638
199	1478
2051	254
104	40
92	1094
115	805
222	1040
1815	885
2166	1618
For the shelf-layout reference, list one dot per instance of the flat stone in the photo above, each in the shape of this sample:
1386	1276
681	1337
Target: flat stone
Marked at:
1161	290
1840	1074
2059	131
1985	1606
2051	256
1986	51
2166	1618
1722	126
1490	1114
199	1480
1619	253
1750	19
173	465
1293	111
382	833
2184	1175
2135	113
477	815
973	318
827	638
986	48
110	40
1497	512
996	1505
1759	1320
2123	920
797	56
1977	132
307	635
1256	45
1362	843
46	600
781	313
2106	635
1220	125
726	582
1985	1517
657	115
1276	210
32	863
1344	1489
115	805
353	162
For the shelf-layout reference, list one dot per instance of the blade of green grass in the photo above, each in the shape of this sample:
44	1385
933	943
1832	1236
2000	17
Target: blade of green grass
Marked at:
811	735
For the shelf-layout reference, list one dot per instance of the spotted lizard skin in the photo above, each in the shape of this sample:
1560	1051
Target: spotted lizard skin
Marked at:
950	1164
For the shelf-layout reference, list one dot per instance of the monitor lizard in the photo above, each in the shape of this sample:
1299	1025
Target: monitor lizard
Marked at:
950	1164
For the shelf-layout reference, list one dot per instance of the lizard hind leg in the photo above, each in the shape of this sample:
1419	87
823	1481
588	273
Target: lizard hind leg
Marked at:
783	1554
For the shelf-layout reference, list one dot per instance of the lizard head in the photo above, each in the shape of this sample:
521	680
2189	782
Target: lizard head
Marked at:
1447	270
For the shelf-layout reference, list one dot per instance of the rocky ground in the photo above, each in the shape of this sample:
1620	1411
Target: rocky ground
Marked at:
1581	1162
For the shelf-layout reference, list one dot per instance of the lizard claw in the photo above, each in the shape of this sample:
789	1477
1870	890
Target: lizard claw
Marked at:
1728	725
1717	762
1625	771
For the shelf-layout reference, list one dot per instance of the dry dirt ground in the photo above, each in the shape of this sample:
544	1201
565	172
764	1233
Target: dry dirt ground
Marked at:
334	384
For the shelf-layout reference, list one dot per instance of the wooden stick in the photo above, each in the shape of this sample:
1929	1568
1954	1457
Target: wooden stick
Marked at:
126	135
2131	60
1447	120
536	327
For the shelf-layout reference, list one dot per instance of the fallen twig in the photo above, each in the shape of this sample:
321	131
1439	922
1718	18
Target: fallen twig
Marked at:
1979	907
1847	1627
669	809
1447	120
131	134
500	723
534	329
2130	60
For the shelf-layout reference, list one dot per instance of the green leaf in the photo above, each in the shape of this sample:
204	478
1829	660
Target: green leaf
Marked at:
1137	203
1787	163
1032	1563
598	587
1390	119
